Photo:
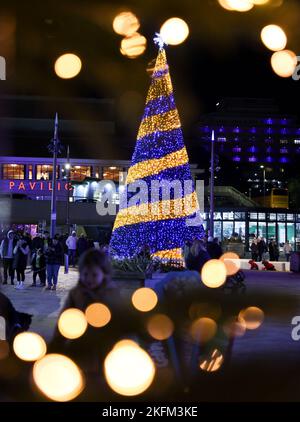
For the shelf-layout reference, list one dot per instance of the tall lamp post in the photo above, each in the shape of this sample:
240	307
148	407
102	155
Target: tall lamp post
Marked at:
212	185
68	168
54	147
264	183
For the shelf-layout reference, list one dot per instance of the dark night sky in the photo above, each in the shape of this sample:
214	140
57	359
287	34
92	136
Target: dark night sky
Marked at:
223	55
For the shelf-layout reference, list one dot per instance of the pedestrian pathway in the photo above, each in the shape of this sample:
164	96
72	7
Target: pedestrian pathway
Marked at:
42	304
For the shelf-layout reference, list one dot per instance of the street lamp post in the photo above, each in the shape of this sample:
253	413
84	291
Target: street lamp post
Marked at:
68	167
212	185
264	183
55	148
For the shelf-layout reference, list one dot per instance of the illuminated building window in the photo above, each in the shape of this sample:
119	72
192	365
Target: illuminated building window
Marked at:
79	173
252	149
236	149
297	141
112	173
284	141
30	171
44	172
284	151
13	171
252	159
221	139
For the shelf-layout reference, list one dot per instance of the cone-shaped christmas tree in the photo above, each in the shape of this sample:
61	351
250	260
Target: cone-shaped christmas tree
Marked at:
163	225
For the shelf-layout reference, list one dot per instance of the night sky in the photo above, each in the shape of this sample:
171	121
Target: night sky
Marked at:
223	56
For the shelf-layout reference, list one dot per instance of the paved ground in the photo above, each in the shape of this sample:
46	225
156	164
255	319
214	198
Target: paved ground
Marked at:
273	337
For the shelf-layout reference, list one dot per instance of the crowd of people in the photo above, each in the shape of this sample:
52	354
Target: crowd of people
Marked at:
259	249
44	255
198	252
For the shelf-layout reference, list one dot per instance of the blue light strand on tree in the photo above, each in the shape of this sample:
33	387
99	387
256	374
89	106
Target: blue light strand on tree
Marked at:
159	154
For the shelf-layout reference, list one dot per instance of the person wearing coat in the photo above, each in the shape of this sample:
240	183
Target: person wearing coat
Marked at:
38	265
82	245
254	250
21	252
54	257
7	254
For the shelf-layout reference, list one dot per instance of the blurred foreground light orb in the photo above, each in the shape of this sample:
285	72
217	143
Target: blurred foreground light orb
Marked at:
260	2
232	262
252	316
29	346
67	66
72	323
160	327
97	315
129	370
126	23
174	31
239	5
284	63
234	327
225	4
203	329
213	362
273	37
214	273
144	299
133	46
58	377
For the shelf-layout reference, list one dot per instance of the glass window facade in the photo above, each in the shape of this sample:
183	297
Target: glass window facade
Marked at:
79	173
13	171
112	173
44	172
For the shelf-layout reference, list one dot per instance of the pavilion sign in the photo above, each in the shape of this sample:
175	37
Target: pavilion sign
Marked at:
32	186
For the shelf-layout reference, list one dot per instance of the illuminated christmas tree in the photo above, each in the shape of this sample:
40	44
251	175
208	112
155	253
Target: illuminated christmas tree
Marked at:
160	156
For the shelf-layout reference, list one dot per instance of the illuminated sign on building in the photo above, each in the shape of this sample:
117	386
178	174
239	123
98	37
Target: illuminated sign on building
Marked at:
28	186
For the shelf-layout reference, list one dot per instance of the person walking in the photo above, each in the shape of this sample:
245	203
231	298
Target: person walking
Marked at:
197	256
214	249
82	245
262	248
54	256
254	250
71	243
21	252
38	265
7	254
287	249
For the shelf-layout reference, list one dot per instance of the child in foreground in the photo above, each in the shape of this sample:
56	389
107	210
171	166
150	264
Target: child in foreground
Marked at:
94	284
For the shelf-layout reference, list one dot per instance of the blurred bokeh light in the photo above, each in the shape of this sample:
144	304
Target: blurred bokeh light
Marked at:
133	46
144	299
174	31
160	327
234	327
72	323
213	362
98	315
29	346
67	66
252	316
284	63
203	329
273	37
129	370
58	377
237	5
232	262
214	273
126	23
